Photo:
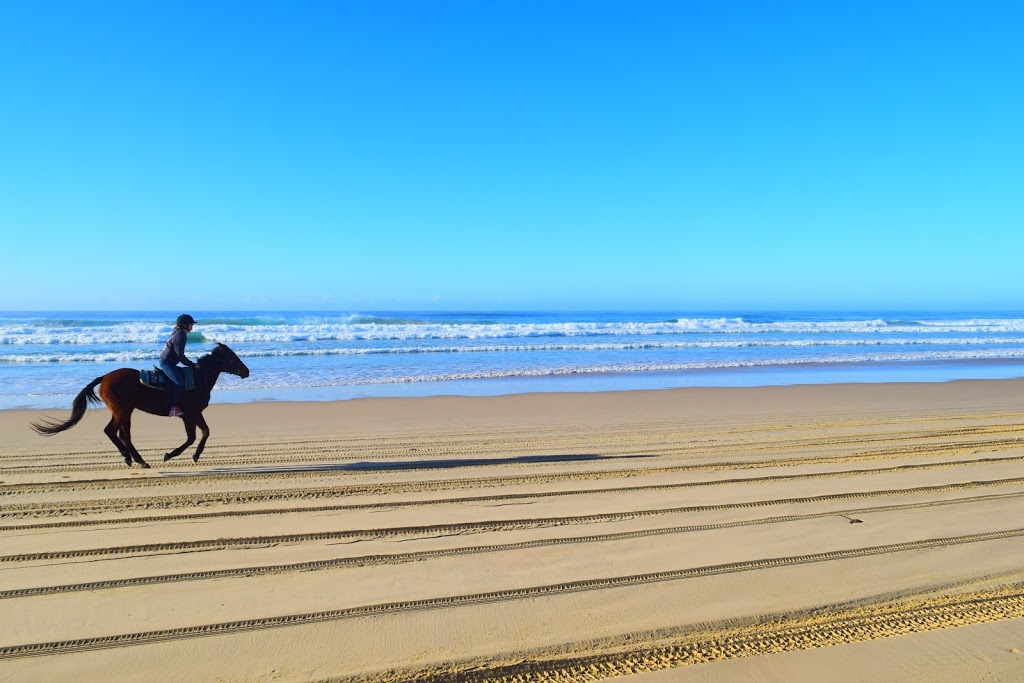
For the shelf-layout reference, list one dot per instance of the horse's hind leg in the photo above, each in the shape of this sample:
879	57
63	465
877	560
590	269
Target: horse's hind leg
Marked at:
111	431
190	437
206	435
126	436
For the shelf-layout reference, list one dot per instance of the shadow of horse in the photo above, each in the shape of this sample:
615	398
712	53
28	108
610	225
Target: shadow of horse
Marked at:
400	465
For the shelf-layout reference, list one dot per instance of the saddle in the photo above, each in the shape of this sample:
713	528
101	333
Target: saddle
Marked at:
157	378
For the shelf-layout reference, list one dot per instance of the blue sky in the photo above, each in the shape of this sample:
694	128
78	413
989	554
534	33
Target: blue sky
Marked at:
511	155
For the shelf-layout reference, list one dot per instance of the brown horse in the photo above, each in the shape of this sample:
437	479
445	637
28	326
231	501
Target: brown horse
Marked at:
123	393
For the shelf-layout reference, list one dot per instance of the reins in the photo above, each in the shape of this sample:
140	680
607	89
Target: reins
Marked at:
221	368
201	376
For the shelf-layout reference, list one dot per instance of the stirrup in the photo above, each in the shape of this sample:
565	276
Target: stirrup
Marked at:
175	412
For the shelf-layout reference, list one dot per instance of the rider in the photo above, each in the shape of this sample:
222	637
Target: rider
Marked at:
174	353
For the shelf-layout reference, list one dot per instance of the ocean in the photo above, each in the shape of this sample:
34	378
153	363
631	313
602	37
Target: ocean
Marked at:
46	358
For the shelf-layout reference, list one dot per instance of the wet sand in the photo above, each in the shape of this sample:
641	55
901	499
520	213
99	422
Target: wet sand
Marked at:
774	533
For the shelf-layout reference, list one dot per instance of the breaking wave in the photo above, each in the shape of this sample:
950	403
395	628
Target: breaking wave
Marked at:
373	328
329	380
151	354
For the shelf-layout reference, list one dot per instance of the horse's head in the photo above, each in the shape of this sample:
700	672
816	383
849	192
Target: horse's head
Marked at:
228	361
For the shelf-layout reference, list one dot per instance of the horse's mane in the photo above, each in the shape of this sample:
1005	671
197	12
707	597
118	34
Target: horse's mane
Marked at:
210	355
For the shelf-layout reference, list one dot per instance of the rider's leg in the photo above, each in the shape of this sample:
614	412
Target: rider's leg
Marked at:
173	373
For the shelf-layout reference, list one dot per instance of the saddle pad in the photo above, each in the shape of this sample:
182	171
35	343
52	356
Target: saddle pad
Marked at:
157	378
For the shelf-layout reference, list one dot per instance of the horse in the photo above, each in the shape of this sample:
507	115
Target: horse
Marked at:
123	393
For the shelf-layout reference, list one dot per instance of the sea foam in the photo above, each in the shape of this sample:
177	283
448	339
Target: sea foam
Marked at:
148	333
59	353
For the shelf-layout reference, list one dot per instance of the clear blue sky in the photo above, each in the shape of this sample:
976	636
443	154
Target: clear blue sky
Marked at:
511	155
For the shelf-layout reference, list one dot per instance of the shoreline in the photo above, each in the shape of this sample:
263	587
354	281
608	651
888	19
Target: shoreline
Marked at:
930	372
526	395
288	419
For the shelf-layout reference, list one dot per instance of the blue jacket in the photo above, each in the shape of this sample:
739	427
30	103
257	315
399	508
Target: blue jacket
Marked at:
174	349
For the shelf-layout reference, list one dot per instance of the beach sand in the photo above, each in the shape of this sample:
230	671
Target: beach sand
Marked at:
850	532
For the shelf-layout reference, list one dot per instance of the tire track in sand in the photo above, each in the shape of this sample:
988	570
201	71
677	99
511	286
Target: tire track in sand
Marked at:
313	493
939	488
665	446
449	529
785	632
1003	607
339	469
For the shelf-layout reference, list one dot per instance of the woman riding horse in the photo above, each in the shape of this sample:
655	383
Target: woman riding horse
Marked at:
123	393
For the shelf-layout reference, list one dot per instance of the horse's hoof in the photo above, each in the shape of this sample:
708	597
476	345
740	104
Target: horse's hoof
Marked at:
145	465
167	456
195	458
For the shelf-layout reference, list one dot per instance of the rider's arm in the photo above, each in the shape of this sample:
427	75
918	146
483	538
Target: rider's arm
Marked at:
178	341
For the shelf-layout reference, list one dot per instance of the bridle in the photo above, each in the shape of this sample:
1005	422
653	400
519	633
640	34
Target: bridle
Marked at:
229	366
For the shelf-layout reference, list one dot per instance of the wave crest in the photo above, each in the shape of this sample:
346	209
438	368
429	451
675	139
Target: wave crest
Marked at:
372	328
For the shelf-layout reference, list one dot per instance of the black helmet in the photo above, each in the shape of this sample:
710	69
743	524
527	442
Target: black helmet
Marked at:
184	321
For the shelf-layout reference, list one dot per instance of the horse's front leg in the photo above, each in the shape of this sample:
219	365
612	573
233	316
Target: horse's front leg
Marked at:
190	434
206	435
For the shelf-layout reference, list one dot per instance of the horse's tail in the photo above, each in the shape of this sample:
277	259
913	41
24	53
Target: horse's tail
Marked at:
85	396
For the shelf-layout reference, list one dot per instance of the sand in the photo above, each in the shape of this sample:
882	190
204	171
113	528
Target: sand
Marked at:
850	532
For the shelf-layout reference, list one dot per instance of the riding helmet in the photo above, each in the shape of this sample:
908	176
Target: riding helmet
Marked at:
184	321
